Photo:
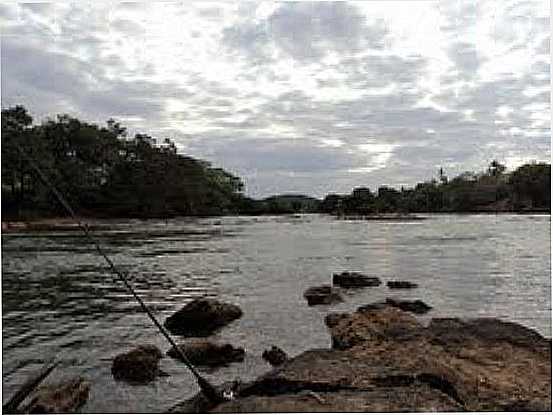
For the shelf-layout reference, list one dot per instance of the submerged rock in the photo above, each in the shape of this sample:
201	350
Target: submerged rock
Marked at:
417	306
206	353
324	294
139	365
398	285
275	356
355	279
201	317
63	397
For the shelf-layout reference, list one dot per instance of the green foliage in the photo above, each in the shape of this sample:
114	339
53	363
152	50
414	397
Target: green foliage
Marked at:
531	186
105	173
525	189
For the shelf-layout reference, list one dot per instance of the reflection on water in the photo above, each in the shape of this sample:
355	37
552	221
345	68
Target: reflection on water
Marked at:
60	300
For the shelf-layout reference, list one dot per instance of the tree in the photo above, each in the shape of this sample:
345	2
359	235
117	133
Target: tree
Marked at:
531	186
496	168
103	172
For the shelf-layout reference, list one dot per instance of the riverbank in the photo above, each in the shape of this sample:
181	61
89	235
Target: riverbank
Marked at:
48	224
68	224
384	360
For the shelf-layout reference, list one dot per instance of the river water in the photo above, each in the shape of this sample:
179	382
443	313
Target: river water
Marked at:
58	299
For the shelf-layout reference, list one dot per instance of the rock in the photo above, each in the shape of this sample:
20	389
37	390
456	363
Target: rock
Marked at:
63	397
420	398
201	317
417	306
333	319
335	381
275	356
373	322
453	331
395	364
200	352
479	363
139	365
324	294
397	285
355	279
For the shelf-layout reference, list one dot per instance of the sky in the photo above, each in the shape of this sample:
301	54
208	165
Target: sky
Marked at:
296	97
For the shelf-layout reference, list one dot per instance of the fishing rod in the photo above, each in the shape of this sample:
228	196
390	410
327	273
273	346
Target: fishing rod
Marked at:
209	391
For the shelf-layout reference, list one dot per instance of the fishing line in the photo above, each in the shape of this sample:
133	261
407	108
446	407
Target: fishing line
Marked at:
207	388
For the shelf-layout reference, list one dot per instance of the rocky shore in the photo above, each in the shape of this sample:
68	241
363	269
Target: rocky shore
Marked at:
382	359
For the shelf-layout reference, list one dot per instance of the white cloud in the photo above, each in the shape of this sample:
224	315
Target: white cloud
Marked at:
297	87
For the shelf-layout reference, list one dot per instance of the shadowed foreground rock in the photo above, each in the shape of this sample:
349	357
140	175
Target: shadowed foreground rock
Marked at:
201	317
209	354
140	365
355	279
389	362
325	294
60	398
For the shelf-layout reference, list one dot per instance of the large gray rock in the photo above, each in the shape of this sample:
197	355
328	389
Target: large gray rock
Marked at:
202	317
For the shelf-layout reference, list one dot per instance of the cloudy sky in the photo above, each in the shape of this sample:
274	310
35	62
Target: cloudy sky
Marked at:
308	97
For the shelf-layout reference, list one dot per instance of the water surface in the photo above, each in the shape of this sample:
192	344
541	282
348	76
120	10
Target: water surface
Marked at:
58	299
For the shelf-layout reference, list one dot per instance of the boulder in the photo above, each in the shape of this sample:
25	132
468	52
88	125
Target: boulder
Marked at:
395	364
416	307
373	322
355	279
201	352
398	285
64	397
140	365
275	356
481	363
324	294
450	332
202	317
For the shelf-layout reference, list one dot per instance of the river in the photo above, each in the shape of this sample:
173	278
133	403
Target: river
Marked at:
59	300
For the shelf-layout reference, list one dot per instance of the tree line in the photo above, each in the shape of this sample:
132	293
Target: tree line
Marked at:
526	189
104	172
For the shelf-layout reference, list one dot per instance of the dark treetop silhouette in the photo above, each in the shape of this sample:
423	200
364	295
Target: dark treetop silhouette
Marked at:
106	173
